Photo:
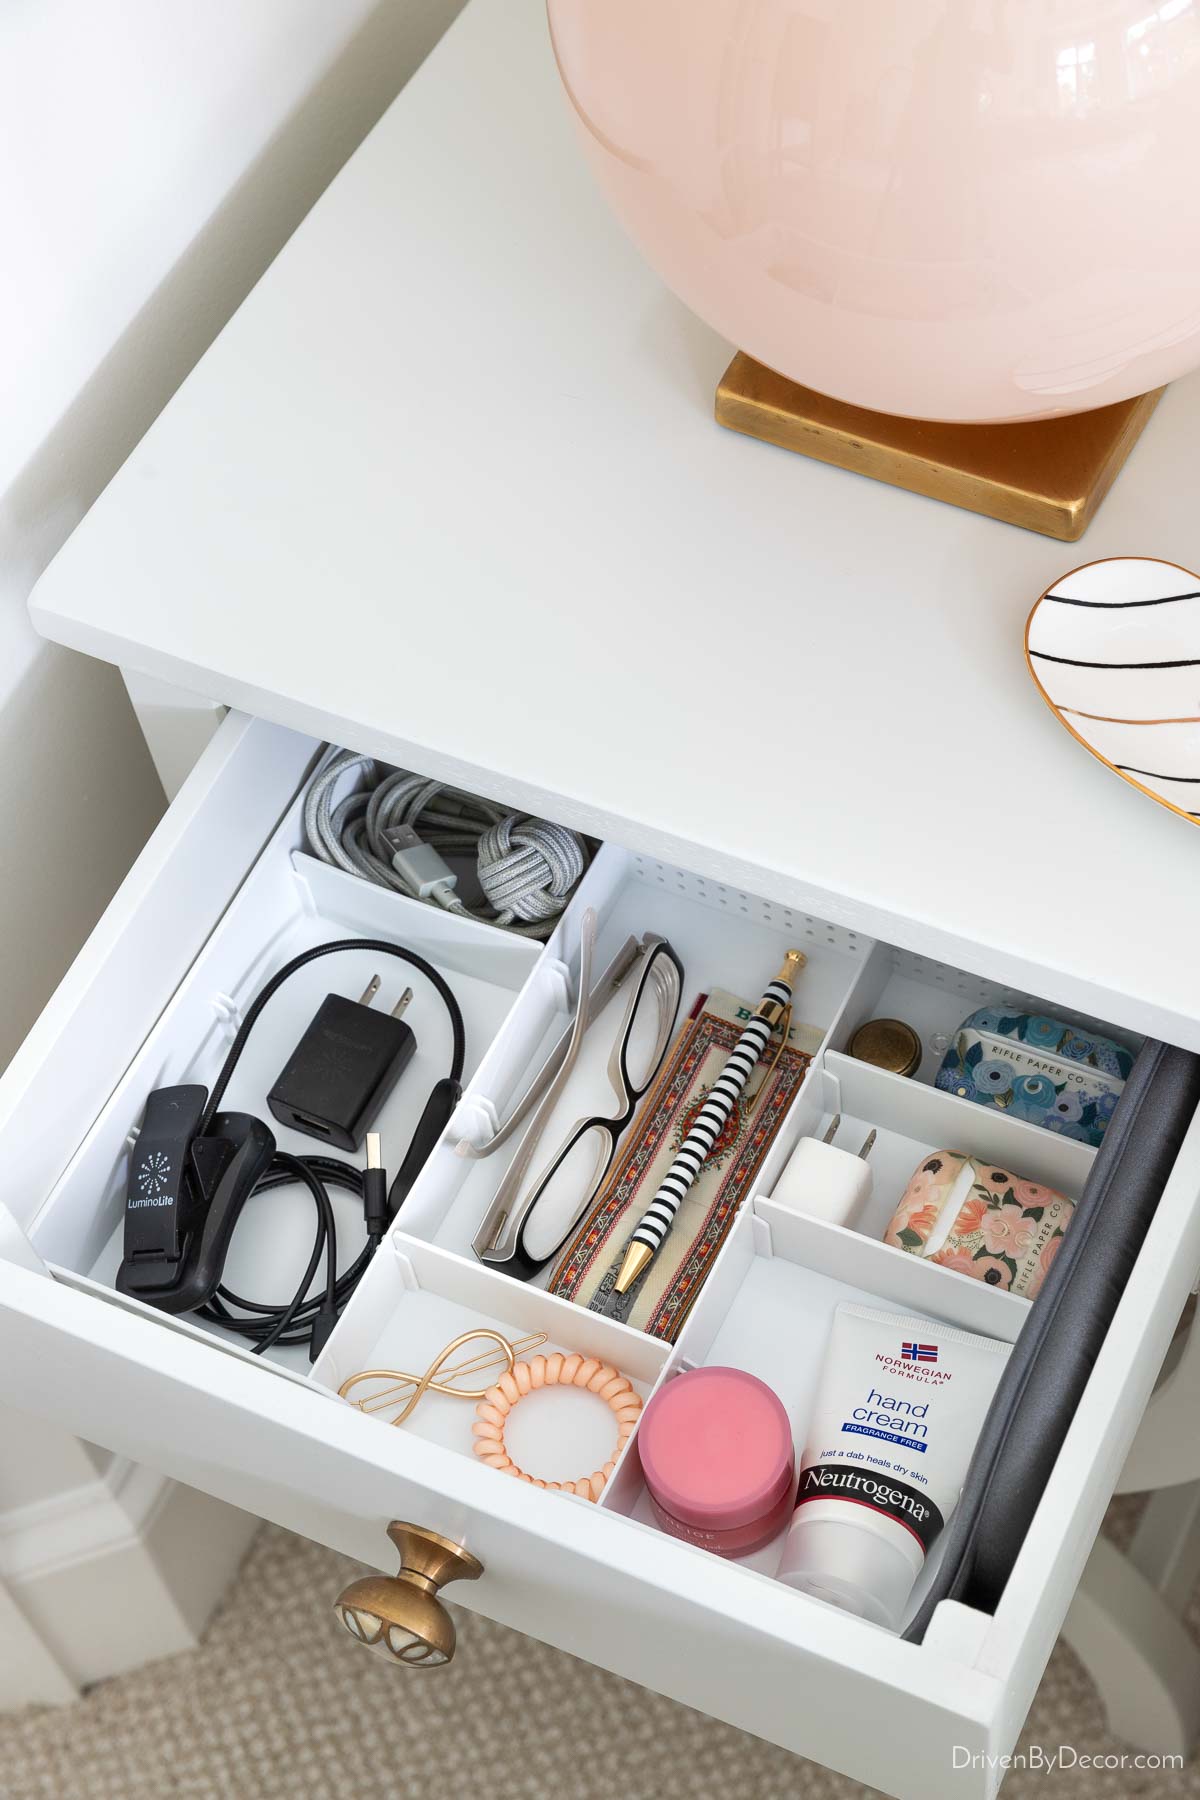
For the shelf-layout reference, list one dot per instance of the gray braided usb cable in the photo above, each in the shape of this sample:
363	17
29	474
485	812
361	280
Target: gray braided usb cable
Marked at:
528	868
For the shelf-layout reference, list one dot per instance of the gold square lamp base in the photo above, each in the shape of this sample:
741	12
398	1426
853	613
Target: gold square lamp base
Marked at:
1049	475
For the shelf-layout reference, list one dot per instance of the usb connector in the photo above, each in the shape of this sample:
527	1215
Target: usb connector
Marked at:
424	873
376	1215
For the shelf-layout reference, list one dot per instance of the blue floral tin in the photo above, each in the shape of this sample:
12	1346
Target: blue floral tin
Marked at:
1038	1069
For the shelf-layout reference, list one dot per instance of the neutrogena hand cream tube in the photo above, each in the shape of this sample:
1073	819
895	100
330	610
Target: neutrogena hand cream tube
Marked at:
899	1406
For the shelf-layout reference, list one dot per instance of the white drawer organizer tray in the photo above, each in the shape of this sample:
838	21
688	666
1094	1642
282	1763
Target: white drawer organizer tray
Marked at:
222	896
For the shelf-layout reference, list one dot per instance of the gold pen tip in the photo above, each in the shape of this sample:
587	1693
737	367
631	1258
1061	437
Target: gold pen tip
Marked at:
636	1258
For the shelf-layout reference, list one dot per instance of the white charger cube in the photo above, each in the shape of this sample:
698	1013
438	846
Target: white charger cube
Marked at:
824	1182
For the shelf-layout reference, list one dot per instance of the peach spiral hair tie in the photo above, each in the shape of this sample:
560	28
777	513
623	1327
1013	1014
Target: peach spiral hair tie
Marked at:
585	1372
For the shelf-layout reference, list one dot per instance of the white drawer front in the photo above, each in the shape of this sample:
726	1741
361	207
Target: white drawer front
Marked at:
222	896
704	1631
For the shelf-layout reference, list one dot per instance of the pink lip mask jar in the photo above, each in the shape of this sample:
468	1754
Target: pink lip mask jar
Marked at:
717	1455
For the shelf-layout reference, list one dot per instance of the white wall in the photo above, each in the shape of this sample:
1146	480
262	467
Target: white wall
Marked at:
50	1462
157	154
157	157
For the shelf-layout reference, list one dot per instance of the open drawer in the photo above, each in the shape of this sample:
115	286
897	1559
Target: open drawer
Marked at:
221	895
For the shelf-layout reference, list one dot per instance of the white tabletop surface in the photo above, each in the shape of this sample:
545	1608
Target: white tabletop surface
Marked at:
448	488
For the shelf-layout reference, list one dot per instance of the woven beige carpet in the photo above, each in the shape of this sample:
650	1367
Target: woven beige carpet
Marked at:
278	1704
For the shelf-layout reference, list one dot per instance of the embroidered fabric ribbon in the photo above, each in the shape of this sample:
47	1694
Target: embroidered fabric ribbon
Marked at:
663	1298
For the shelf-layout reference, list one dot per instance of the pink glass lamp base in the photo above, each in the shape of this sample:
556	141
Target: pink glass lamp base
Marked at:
977	212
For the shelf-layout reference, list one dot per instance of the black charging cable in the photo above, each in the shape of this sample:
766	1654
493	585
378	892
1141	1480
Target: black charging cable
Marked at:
310	1320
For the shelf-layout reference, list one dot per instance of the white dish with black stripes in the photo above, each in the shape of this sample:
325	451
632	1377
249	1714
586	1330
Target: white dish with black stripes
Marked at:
1115	650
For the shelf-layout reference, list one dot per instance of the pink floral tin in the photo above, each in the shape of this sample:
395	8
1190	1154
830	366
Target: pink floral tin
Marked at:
978	1218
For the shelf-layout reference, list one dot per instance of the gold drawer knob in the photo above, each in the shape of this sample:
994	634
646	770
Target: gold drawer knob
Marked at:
400	1616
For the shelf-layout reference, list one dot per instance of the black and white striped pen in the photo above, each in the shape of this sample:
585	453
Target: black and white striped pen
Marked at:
772	1011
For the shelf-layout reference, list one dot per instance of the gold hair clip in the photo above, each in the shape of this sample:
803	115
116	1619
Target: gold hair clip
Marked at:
504	1354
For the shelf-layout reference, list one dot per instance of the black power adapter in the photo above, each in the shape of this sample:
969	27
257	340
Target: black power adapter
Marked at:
195	1166
343	1069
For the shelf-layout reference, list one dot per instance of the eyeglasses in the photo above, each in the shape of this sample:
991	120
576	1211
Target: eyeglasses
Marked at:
520	1234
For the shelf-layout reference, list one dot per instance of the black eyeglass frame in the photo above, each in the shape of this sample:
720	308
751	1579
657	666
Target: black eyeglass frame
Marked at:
659	964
